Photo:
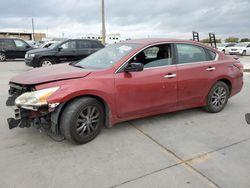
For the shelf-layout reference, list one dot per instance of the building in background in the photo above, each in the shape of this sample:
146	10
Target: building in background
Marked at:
110	39
22	35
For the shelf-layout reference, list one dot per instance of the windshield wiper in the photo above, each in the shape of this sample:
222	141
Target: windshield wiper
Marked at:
74	64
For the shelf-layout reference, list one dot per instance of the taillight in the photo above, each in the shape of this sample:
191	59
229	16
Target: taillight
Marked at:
239	66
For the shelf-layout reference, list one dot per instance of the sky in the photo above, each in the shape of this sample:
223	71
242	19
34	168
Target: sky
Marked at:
130	18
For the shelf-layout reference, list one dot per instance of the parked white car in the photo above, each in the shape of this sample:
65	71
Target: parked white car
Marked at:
225	47
240	49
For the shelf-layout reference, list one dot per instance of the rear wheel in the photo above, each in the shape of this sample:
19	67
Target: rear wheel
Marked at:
2	57
44	62
81	120
244	53
217	97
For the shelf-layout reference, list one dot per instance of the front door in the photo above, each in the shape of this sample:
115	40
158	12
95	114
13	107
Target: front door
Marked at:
152	90
67	52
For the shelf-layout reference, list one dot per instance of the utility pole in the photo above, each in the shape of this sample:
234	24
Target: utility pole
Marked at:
33	29
103	24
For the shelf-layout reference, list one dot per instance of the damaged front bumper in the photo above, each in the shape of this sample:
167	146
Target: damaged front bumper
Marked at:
20	119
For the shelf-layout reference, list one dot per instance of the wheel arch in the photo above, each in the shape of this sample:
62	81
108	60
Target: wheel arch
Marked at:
226	81
56	115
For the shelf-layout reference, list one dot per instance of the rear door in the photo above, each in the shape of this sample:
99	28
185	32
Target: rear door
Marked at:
84	49
195	71
21	48
96	45
9	47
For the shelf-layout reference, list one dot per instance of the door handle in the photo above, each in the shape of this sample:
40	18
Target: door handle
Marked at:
210	68
170	76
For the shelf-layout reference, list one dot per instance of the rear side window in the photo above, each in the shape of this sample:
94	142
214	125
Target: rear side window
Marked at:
188	53
84	44
96	44
212	55
8	43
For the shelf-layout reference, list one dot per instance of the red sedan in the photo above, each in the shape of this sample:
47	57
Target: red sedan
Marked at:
124	81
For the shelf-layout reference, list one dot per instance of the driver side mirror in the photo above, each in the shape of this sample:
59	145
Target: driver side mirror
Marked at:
59	49
134	67
248	118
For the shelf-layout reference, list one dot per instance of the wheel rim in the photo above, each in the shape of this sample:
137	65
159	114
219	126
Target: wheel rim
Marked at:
2	57
46	63
87	122
219	97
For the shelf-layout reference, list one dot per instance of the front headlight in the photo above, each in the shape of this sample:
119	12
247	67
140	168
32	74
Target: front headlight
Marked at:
35	98
31	55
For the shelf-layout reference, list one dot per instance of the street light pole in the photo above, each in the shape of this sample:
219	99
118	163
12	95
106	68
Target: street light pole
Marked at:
103	24
33	29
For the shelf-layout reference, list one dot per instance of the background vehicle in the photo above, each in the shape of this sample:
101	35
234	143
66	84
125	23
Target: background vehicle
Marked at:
124	81
48	44
69	50
224	47
11	48
248	118
240	49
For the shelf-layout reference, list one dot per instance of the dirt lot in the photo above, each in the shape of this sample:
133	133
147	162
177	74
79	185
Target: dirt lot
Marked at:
191	148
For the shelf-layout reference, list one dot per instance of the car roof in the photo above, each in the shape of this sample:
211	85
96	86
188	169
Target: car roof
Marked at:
158	40
149	41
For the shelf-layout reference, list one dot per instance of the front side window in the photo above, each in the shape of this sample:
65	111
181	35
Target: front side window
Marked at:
188	53
20	44
155	56
69	45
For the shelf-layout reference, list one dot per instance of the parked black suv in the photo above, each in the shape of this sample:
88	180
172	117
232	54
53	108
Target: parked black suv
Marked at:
11	48
69	50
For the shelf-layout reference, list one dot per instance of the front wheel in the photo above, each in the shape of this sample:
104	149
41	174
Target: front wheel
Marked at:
217	97
44	62
244	53
81	120
2	57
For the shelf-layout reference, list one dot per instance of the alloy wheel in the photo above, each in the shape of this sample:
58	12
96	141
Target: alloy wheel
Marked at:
46	63
87	121
219	97
2	57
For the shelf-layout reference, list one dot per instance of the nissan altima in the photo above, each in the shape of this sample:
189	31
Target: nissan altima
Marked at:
124	81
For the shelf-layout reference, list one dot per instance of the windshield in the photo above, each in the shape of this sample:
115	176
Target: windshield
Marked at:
221	45
107	57
53	45
241	45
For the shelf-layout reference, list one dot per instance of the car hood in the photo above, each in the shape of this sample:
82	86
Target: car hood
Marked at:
38	50
50	74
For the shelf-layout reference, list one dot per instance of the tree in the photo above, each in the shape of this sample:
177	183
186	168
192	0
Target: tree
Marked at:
232	40
245	40
207	41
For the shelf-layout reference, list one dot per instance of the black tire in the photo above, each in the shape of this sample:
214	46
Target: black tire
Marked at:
46	62
77	124
2	57
224	51
217	97
244	53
